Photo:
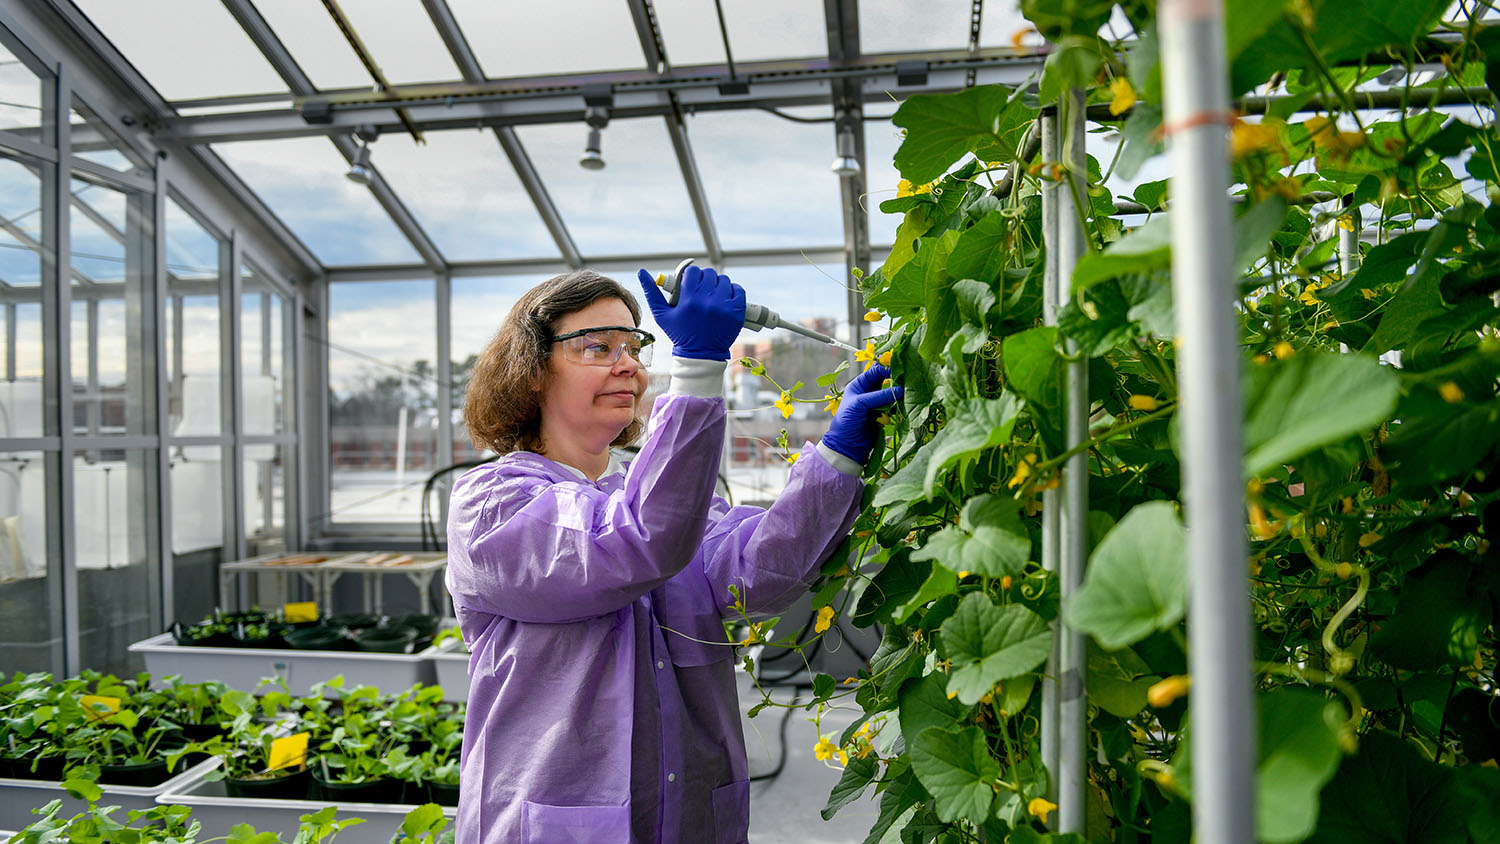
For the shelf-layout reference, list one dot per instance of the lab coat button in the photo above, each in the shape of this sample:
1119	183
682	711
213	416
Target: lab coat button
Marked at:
660	664
671	778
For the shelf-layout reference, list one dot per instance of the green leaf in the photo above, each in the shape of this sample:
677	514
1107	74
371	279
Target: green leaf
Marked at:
1299	753
1388	794
980	253
955	766
939	305
1071	64
1254	229
909	482
1151	194
891	587
1118	681
1057	19
1034	367
923	704
975	299
914	226
903	793
988	643
857	774
941	128
243	833
1311	400
989	539
1401	327
941	581
1480	790
1439	617
1144	249
975	425
1136	582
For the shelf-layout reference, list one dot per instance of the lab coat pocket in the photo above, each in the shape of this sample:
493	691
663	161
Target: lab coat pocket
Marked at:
544	824
732	813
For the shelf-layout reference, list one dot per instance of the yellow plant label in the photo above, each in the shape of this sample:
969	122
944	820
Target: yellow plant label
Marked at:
301	611
288	752
99	707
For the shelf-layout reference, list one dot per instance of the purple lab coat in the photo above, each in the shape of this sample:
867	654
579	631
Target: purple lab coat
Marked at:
602	704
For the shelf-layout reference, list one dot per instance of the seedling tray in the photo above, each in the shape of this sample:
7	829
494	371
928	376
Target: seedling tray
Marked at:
451	663
218	812
243	668
19	796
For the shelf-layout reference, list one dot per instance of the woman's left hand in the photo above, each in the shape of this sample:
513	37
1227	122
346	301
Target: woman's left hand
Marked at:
854	430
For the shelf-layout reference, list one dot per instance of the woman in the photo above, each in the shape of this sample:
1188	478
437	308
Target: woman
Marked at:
602	705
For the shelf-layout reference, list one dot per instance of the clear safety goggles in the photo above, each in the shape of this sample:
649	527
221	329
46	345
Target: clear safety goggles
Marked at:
603	346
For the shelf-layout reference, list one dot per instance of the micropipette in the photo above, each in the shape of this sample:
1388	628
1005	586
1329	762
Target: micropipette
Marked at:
756	316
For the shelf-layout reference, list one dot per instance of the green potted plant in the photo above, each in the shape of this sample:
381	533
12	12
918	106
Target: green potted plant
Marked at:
351	765
245	750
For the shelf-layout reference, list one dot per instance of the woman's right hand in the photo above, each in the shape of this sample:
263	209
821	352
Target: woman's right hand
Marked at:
708	316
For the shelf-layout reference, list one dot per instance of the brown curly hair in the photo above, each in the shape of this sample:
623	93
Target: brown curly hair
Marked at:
502	407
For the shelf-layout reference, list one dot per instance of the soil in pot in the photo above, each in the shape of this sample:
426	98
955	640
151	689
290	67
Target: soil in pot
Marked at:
324	637
143	774
384	790
385	640
293	785
203	635
355	620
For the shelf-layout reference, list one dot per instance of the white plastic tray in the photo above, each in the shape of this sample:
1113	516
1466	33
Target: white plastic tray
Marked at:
18	797
451	664
243	668
218	812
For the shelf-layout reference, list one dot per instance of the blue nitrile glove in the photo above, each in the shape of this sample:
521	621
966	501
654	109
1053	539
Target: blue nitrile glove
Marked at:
707	318
854	430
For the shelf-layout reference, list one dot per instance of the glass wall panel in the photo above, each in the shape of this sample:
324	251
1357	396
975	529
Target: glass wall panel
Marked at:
382	398
22	260
813	296
111	247
20	95
266	397
637	203
302	179
793	199
191	325
480	306
881	179
265	478
90	139
197	478
30	583
113	497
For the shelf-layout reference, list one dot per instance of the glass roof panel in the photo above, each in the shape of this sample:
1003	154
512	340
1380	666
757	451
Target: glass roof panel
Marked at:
20	94
202	53
900	26
563	36
637	203
464	192
400	37
192	253
302	180
881	140
770	29
791	200
314	40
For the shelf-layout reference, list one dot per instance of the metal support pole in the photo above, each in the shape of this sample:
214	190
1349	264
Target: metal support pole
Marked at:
1073	734
1349	242
1208	357
1051	500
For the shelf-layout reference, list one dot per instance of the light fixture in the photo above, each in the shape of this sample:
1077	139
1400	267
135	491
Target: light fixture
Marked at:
847	163
359	167
597	117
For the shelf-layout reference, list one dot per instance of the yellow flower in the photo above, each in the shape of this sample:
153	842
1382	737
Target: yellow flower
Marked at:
952	693
1343	570
988	698
1005	583
1023	471
1164	692
905	188
1146	403
784	404
1329	325
1124	96
866	355
885	358
1283	350
1308	297
826	749
851	681
792	458
1041	807
1451	392
833	404
1368	293
1369	539
825	620
1018	38
1327	137
1262	359
872	316
1346	223
1246	138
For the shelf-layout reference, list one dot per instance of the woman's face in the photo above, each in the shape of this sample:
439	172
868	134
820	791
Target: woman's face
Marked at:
591	403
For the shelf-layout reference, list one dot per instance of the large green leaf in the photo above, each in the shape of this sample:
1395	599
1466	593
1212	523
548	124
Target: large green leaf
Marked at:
989	539
1033	366
987	643
1143	249
939	304
940	581
924	703
1118	681
975	425
906	288
1388	794
1136	582
1311	400
1072	63
1439	617
910	481
980	253
956	768
914	226
857	774
941	128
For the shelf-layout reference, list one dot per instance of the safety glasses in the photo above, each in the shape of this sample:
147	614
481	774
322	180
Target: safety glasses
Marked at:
603	346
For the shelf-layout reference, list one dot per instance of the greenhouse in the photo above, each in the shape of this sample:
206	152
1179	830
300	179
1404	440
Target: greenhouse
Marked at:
1034	421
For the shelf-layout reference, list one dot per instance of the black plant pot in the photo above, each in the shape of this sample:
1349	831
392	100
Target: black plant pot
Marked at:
355	620
385	640
143	774
425	624
384	790
323	637
201	636
50	768
200	732
293	785
442	794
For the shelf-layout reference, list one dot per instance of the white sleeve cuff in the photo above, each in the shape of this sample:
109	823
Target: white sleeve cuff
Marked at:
703	379
840	462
